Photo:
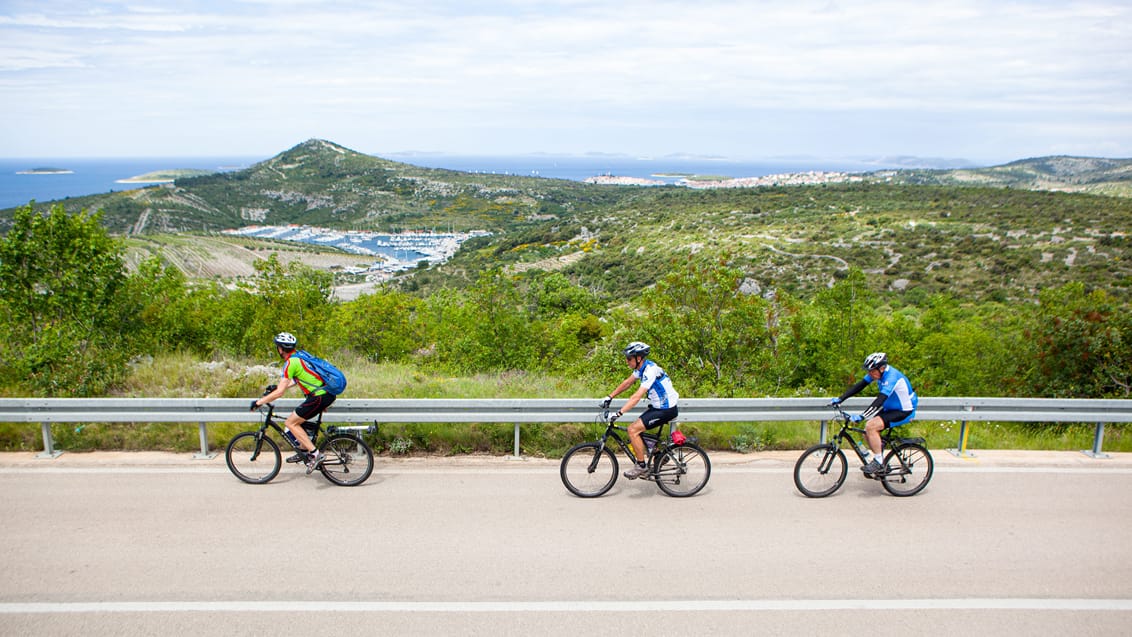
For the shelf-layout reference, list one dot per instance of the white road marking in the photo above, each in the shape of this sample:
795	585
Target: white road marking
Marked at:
585	606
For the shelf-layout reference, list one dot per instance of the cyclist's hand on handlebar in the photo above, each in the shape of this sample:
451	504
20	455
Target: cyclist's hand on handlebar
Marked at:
834	402
605	403
255	405
613	417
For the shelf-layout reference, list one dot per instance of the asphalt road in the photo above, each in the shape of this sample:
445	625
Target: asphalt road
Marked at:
151	544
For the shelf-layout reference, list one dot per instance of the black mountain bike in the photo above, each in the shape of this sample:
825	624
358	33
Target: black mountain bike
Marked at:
589	469
822	468
254	457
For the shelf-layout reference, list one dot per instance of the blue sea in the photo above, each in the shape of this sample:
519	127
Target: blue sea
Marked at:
96	176
91	176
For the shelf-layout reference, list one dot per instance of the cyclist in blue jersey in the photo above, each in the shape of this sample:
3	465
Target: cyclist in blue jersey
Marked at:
662	400
895	405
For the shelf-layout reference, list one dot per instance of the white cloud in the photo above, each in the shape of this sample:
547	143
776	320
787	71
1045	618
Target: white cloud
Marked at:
550	76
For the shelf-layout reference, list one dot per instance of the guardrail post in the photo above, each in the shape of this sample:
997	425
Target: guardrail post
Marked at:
1098	440
204	454
824	432
48	443
517	456
961	449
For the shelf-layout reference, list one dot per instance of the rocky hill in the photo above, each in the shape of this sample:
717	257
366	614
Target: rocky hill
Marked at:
321	183
975	233
1066	174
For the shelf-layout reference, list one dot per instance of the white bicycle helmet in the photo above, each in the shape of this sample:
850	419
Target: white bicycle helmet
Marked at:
875	361
286	340
637	348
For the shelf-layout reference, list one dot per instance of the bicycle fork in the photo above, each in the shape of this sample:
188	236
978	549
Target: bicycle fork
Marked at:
827	460
258	445
597	457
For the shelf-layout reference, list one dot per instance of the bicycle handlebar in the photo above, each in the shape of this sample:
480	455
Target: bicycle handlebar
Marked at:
841	412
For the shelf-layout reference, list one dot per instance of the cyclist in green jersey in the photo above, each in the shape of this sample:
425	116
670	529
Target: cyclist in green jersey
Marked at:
295	372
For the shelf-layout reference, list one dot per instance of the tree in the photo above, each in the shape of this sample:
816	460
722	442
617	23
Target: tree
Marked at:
60	279
968	353
1084	345
829	337
715	337
383	326
293	298
485	328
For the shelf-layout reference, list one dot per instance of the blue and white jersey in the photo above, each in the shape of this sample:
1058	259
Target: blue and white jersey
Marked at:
662	395
895	385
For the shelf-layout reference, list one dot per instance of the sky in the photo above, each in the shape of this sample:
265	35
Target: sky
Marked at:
981	80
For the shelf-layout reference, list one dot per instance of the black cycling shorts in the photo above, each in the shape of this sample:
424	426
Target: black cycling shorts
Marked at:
313	405
890	417
654	417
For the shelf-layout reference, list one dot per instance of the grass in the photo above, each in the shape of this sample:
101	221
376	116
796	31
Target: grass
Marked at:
179	375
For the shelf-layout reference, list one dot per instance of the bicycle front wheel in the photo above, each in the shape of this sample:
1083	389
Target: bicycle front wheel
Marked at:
253	457
908	468
588	470
348	460
683	470
820	471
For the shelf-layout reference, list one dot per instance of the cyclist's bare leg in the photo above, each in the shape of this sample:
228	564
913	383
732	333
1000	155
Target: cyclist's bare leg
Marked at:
638	445
873	427
294	424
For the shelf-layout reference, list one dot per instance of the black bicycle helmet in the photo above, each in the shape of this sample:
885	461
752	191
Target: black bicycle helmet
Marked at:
637	348
875	360
286	340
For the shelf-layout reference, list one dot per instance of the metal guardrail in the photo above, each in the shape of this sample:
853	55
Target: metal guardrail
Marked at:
519	411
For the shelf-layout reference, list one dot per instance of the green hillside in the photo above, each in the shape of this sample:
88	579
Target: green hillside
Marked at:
996	233
912	241
320	183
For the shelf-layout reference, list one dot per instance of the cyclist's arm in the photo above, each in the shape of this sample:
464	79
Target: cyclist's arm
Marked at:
284	384
634	399
855	389
623	386
874	408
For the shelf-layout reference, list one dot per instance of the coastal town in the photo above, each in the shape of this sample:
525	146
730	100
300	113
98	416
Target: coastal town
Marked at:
808	178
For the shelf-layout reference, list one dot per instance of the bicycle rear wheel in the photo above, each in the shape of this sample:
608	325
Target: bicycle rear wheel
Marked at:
908	468
683	470
820	471
253	457
348	460
588	470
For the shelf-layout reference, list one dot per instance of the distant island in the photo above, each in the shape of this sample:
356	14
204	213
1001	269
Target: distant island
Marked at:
165	176
45	171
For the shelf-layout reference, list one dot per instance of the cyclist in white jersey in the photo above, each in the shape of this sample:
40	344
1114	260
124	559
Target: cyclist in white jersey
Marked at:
662	400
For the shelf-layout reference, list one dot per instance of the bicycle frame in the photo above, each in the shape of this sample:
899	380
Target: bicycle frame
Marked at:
269	423
611	431
888	440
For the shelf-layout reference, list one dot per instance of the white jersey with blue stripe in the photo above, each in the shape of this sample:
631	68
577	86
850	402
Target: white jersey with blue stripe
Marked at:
662	395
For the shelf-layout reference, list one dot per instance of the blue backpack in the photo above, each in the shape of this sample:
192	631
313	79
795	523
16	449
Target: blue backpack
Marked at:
333	380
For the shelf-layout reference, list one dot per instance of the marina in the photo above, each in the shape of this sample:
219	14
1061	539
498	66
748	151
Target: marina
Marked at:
394	252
